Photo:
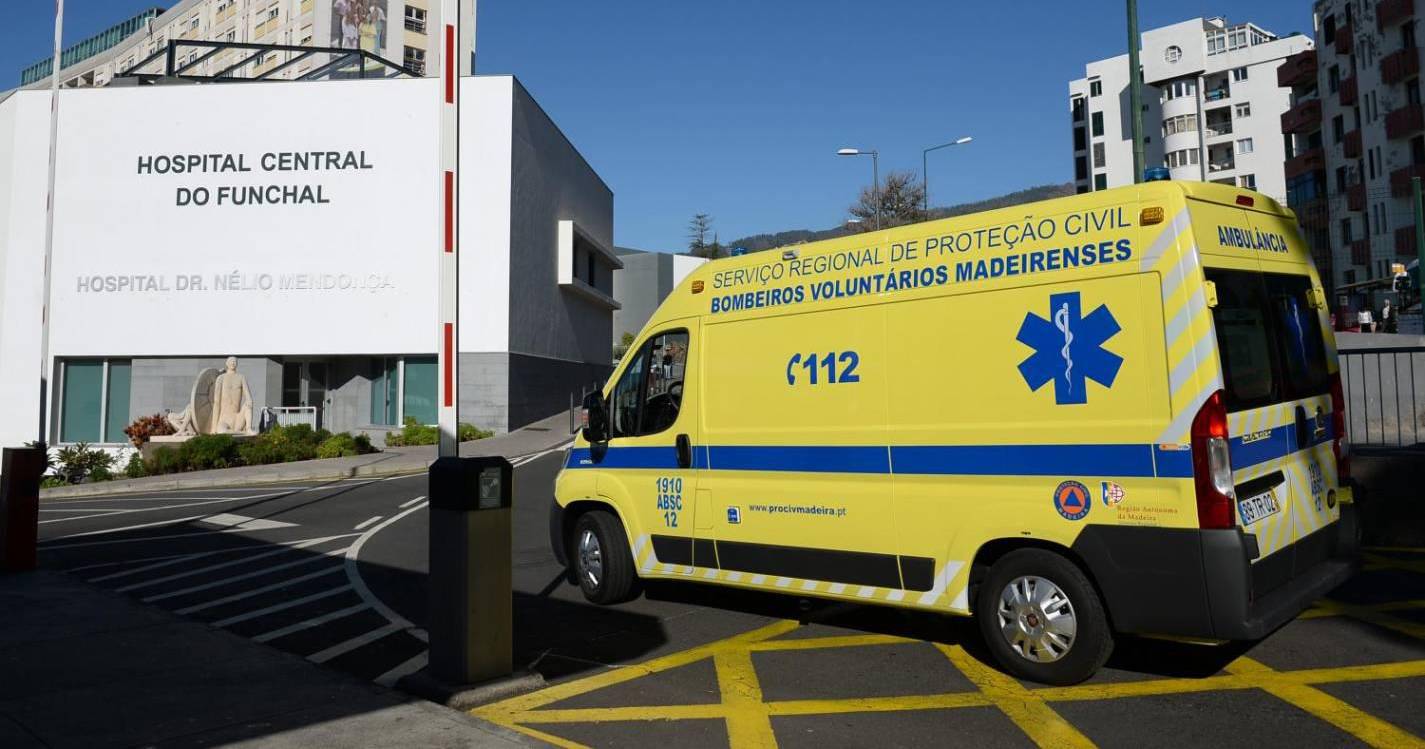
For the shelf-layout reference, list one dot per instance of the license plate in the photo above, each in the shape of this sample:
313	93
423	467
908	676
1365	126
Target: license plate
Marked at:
1257	506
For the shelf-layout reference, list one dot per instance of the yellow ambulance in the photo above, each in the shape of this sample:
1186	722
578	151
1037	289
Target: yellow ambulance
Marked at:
1116	412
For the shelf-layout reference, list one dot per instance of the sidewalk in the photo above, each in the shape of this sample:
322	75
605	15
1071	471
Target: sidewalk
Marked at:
541	435
88	668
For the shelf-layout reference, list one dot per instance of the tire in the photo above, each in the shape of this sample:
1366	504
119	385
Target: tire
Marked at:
1050	648
600	559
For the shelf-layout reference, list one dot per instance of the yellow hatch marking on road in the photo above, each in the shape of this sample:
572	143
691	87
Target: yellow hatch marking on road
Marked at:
1339	713
1033	716
748	723
748	715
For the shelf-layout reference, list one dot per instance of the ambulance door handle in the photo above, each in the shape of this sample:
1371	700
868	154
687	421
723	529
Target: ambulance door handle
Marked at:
685	451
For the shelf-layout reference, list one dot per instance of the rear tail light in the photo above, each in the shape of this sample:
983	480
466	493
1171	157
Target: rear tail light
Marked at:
1212	465
1339	445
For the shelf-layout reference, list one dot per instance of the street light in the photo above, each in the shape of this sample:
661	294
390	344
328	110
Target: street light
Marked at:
925	174
875	175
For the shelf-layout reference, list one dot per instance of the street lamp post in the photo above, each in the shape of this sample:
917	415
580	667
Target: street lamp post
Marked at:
875	175
924	170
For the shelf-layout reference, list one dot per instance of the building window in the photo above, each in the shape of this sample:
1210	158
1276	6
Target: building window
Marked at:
1248	181
94	400
1184	157
1100	182
1179	88
415	19
415	60
1338	128
1333	78
1081	168
1183	123
1346	237
1095	87
1328	30
1236	38
1098	156
1244	145
418	399
1097	125
1173	53
1081	139
385	392
1417	150
1407	35
1242	110
1239	74
1216	43
231	36
1371	163
273	12
1077	107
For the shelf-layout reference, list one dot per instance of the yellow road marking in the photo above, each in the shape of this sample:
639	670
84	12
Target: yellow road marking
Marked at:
748	724
1352	720
748	715
1039	721
813	643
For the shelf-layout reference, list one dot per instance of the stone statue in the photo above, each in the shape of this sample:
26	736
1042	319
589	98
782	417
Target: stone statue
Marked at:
231	402
196	417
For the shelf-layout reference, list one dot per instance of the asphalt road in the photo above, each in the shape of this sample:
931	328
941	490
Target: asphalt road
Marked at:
336	573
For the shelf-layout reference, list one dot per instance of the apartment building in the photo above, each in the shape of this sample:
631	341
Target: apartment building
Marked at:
1211	107
401	31
1356	130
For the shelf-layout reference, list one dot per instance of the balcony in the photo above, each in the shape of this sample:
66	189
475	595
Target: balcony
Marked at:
1356	197
1400	179
1217	94
1405	242
1361	252
1392	12
1399	65
1306	161
1297	70
1352	144
1404	122
1344	39
417	25
1346	91
1302	118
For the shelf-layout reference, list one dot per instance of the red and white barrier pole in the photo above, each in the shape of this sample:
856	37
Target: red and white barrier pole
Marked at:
448	331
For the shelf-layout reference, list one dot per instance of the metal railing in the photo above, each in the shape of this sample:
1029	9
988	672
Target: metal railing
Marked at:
290	415
166	62
1382	387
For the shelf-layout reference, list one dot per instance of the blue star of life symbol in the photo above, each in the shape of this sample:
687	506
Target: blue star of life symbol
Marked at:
1068	348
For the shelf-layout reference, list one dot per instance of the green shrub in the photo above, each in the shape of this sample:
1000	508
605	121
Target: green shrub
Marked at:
49	482
413	434
164	460
136	468
207	451
80	462
343	445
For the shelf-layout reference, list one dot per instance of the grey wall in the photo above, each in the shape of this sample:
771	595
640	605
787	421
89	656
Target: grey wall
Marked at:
540	387
551	182
645	280
484	391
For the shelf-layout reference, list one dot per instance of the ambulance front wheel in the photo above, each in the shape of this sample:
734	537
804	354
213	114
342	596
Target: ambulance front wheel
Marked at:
601	559
1042	618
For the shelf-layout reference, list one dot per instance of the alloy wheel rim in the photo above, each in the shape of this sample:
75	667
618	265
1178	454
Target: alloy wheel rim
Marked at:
1037	619
591	558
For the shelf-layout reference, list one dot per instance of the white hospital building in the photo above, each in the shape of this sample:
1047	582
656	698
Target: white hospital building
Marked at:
1211	108
296	226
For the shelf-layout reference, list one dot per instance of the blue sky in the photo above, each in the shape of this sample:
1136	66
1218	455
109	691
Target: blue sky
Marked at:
736	108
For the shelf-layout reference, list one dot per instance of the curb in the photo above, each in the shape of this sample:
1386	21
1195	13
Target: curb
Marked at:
132	486
466	696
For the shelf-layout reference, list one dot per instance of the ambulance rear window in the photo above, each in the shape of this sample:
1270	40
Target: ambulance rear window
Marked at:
1269	338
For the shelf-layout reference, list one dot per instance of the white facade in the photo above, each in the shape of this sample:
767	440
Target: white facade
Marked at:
1360	137
1211	108
308	252
402	31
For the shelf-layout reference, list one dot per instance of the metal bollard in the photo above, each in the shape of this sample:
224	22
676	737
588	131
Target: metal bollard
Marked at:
471	625
20	472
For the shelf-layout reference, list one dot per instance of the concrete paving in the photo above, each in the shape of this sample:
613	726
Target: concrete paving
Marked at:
394	461
88	668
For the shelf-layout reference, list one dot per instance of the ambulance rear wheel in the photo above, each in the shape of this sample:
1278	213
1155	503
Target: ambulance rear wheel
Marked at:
1042	618
601	559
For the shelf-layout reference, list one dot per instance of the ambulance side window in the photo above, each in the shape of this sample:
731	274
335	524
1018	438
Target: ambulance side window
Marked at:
649	396
627	395
1244	339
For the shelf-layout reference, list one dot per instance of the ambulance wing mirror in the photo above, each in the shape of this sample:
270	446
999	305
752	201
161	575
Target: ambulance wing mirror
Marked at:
596	418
